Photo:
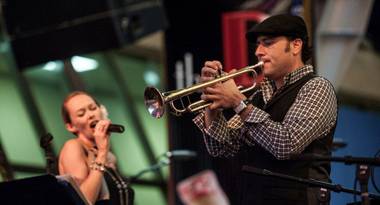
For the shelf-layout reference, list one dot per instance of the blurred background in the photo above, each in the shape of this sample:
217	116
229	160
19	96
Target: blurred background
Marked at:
113	49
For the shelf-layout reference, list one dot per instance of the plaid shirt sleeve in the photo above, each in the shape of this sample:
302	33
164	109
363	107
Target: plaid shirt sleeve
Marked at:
311	116
221	137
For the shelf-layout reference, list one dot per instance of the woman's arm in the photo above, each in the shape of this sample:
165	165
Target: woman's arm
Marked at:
72	161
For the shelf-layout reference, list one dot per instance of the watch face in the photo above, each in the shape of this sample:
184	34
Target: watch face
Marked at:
240	107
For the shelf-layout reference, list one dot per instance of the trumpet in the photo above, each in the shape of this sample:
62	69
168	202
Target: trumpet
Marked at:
155	101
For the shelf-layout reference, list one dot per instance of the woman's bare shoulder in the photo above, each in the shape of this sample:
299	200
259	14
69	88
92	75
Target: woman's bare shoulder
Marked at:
72	146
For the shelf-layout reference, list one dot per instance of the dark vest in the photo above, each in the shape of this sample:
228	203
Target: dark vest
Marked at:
256	190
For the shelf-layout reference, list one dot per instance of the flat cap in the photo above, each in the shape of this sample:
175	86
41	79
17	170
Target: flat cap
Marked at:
279	25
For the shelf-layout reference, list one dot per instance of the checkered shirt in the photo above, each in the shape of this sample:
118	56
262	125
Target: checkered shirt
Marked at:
312	115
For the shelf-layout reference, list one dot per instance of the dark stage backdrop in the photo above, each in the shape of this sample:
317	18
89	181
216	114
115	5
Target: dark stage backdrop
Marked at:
44	30
194	35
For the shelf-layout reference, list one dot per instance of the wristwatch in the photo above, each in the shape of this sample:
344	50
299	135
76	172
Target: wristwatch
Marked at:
240	107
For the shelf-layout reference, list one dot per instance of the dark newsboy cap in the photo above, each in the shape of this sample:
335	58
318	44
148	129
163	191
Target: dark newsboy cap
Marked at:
279	25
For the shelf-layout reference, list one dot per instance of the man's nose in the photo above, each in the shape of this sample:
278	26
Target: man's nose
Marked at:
259	51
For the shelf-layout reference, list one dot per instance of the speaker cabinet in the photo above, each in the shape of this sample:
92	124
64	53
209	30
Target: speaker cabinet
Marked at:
44	30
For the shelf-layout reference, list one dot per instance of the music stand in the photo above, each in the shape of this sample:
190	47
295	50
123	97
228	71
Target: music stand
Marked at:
41	190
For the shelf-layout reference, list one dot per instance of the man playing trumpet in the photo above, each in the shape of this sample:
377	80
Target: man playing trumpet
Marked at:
292	112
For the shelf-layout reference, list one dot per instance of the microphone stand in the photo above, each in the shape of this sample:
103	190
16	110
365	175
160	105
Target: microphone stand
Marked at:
311	182
362	169
346	159
45	143
153	168
164	160
362	173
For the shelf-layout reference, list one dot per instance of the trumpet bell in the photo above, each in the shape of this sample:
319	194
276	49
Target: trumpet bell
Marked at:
154	102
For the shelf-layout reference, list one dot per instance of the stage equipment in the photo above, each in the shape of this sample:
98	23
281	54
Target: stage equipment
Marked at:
363	171
310	182
42	190
42	30
164	160
346	159
51	161
155	100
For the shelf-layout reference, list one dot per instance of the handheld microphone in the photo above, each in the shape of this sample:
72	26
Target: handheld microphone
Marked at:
111	128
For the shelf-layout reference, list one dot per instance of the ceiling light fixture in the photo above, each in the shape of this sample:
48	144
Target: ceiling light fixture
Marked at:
82	64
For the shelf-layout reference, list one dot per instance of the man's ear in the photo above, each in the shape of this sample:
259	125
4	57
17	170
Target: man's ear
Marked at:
71	128
297	46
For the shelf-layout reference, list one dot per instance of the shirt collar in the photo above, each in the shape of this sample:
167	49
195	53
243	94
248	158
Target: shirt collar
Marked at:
268	86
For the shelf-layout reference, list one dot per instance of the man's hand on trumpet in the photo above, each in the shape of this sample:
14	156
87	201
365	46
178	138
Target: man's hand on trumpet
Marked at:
222	95
210	70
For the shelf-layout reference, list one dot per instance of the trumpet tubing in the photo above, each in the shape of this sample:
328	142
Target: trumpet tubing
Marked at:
155	100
